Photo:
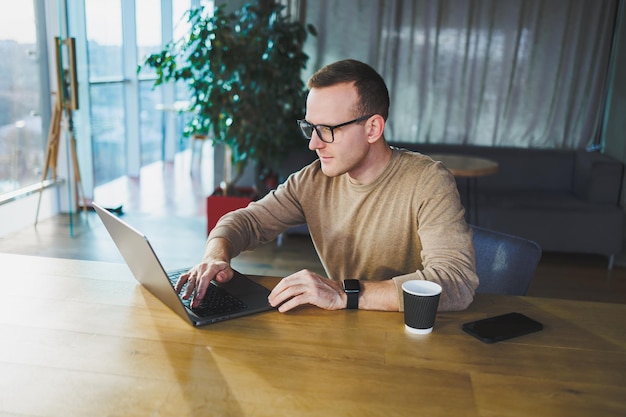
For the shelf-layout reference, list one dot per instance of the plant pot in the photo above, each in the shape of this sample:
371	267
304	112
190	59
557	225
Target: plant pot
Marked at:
219	204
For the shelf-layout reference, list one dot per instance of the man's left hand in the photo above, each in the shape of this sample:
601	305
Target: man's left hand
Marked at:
306	287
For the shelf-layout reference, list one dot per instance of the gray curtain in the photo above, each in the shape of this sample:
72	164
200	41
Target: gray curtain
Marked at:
522	73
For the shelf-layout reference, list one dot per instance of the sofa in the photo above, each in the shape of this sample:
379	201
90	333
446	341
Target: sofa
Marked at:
565	200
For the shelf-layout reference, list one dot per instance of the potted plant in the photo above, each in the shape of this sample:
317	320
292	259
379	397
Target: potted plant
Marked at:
243	73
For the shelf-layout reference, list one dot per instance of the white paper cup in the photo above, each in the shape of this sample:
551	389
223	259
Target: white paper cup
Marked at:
421	299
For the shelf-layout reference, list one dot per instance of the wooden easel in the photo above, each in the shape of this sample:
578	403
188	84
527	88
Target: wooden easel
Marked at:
66	101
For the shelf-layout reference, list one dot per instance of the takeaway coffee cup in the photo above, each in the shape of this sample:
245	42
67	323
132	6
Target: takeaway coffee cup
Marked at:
421	299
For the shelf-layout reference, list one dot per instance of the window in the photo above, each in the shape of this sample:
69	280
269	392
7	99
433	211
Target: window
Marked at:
103	22
21	135
108	76
148	22
121	143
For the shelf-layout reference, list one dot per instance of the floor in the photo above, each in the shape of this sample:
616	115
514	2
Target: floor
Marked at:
167	203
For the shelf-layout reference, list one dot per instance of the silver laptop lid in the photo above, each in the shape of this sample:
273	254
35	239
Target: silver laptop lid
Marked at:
142	261
148	270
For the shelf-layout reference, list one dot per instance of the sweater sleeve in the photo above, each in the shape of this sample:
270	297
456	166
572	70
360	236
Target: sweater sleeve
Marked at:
447	250
262	221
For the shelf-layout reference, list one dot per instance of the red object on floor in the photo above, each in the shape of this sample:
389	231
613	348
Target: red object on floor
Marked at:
218	205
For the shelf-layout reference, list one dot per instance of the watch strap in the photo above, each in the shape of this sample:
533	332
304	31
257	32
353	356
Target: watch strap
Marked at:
352	288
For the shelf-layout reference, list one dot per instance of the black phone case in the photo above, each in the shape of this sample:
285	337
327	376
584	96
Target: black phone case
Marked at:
498	328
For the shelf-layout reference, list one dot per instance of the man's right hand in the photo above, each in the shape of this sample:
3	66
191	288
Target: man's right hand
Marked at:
215	265
199	278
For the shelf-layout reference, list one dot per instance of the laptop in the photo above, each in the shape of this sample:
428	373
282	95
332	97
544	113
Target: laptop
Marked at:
236	298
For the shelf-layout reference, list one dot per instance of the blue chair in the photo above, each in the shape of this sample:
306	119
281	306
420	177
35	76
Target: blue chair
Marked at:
505	263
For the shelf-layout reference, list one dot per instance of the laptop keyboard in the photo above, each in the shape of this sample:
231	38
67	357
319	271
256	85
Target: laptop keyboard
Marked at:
215	301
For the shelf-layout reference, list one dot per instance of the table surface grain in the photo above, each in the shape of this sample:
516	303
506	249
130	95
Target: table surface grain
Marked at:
83	338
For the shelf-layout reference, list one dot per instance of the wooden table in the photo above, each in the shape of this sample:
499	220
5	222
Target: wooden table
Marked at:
84	339
469	168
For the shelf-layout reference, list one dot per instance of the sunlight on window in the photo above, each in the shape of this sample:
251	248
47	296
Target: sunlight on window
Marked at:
104	22
17	20
21	135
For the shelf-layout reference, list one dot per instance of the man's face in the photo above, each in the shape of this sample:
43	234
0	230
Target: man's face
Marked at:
333	106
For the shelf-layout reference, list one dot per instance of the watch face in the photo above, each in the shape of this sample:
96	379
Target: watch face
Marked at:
351	285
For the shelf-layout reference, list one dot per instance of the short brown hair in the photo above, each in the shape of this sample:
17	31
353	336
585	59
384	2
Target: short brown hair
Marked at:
370	86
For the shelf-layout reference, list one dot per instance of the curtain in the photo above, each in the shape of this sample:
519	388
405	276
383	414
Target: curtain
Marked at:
521	73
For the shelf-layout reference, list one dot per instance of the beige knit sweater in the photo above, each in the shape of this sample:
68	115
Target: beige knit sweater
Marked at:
408	224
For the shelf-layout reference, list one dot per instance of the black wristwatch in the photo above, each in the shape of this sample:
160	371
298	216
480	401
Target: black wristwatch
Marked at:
352	288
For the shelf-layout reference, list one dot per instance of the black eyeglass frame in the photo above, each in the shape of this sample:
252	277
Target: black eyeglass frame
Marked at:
331	128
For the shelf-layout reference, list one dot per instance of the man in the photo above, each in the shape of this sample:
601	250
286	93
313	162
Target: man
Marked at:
376	214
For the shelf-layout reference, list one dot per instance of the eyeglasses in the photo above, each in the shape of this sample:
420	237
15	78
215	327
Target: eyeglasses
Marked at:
326	133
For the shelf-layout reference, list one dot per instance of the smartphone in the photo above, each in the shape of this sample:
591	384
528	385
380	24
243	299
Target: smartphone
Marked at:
498	328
